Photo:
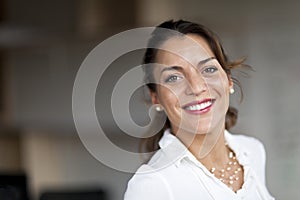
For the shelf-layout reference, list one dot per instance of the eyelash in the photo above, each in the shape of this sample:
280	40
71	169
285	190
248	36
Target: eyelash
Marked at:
169	78
210	68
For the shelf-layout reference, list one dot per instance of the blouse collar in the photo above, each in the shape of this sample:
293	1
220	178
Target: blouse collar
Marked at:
176	151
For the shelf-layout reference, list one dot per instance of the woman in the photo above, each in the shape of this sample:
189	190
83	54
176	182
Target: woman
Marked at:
190	81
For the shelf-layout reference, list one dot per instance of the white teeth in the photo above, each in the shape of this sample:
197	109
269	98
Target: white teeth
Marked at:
199	106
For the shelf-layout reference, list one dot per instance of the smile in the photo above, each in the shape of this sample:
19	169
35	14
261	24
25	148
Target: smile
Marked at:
199	107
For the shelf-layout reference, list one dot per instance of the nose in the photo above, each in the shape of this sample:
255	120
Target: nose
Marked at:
196	84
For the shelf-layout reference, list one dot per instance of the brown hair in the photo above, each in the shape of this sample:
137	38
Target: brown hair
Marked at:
158	37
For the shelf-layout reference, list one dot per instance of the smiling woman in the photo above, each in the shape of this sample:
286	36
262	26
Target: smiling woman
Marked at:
190	81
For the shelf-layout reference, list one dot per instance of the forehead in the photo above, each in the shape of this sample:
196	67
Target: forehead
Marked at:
190	48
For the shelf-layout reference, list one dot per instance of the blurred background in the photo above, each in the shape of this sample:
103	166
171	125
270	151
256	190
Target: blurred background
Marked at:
43	43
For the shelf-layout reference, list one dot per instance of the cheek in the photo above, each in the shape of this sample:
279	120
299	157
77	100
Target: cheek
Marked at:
167	96
219	83
169	99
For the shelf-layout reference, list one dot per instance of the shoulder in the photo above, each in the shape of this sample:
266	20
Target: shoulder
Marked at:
252	148
248	143
147	183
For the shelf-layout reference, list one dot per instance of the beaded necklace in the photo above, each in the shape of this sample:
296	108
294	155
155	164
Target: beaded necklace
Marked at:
230	173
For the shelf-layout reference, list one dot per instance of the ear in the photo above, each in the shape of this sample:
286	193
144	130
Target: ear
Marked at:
154	97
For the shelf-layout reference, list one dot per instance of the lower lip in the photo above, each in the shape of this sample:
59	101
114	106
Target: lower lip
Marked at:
200	112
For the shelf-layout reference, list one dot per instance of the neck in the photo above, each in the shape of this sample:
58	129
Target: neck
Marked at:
210	148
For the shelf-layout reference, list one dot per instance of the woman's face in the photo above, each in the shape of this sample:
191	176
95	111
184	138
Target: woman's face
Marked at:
191	85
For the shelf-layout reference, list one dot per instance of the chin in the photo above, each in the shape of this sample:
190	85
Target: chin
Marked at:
196	130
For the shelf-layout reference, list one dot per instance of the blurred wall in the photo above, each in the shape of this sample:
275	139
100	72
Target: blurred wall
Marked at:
10	153
43	44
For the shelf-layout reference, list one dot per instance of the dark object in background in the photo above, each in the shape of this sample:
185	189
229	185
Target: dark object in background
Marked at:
75	195
8	193
13	187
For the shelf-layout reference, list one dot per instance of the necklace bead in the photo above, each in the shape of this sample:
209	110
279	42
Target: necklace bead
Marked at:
229	174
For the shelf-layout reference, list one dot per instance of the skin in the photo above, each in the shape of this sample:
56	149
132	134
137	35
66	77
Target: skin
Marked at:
188	75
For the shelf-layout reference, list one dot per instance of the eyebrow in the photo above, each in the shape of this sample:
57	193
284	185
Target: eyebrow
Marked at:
206	60
178	68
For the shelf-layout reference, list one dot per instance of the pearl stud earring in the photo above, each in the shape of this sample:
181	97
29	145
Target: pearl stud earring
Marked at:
158	108
231	91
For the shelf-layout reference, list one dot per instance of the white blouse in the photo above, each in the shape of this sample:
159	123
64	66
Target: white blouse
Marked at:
173	173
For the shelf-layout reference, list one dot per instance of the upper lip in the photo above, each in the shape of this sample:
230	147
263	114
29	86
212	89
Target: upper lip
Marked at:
198	102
